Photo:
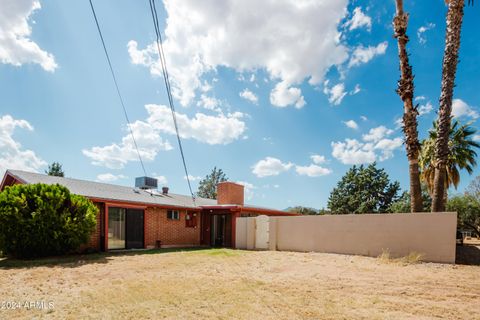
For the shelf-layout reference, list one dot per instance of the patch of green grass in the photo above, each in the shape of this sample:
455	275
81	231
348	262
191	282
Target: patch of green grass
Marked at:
222	252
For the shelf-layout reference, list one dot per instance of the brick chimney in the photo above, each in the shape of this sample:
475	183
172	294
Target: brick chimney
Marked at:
230	193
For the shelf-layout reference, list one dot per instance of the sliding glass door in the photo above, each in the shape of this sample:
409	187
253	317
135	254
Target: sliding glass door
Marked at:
125	228
116	228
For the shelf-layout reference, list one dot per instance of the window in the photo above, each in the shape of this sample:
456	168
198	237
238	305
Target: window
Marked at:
191	220
173	215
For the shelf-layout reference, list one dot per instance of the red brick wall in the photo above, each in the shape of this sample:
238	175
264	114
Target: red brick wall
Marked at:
169	232
230	193
94	242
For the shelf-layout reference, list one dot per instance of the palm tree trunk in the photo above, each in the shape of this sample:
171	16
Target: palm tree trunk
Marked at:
449	69
405	91
445	195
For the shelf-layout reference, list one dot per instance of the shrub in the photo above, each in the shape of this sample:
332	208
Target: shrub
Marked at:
40	220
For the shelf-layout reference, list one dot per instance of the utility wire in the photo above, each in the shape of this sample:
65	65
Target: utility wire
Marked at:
116	86
161	54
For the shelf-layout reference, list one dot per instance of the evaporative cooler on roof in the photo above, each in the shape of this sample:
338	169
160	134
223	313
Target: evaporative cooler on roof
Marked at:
146	183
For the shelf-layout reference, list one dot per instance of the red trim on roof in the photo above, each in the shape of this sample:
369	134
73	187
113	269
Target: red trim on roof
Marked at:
9	174
138	204
238	208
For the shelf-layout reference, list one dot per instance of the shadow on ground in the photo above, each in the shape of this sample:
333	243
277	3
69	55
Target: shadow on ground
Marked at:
468	254
77	260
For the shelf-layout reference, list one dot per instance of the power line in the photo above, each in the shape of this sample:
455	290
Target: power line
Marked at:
116	86
161	54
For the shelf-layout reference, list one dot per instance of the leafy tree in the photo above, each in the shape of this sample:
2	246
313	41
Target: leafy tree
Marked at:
402	205
468	210
473	188
324	211
207	187
303	210
405	90
462	155
363	190
40	220
55	169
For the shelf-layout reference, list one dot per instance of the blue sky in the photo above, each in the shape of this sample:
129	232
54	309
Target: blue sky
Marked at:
284	96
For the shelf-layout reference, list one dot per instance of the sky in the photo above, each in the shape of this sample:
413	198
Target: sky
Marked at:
284	96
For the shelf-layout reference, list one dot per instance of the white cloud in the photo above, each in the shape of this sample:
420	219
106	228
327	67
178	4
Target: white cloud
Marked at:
476	137
206	86
12	155
425	108
312	170
351	124
219	129
363	54
364	118
249	193
355	90
209	103
116	156
398	123
192	178
420	98
461	109
375	147
161	180
376	134
422	39
352	152
249	95
359	20
283	96
335	94
318	159
387	146
109	177
199	39
270	167
16	48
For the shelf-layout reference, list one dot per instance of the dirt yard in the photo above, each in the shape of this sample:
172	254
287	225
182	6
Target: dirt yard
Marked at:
228	284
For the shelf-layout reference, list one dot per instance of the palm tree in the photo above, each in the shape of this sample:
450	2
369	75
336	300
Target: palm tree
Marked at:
449	69
405	91
461	155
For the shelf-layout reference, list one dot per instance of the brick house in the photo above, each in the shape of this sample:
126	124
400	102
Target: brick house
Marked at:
134	218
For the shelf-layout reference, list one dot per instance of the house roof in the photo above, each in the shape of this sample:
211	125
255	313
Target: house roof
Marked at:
104	191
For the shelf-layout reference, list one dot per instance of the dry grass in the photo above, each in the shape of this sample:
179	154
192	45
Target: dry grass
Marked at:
226	284
412	258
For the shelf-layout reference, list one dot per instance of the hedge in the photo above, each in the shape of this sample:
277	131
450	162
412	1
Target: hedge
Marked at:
38	220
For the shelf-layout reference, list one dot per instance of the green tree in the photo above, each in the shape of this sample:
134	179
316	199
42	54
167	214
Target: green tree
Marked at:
363	190
402	205
473	188
55	169
40	220
303	210
207	188
468	210
461	156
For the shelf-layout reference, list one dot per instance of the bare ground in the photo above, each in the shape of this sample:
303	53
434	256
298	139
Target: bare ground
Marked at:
226	284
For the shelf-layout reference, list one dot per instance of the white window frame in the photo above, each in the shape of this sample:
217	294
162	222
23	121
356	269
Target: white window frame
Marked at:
173	215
